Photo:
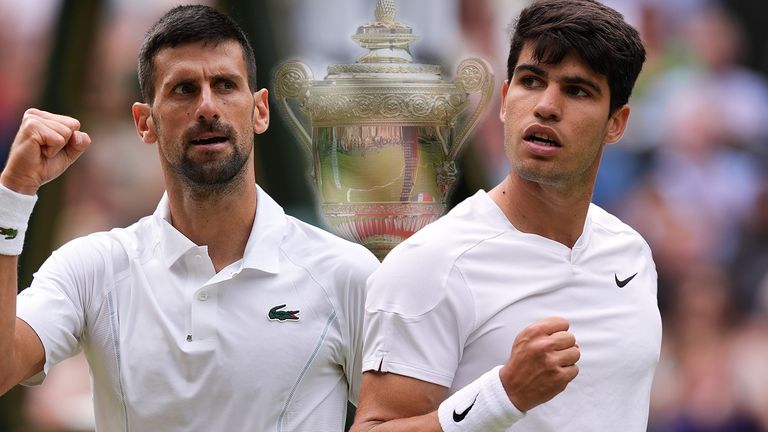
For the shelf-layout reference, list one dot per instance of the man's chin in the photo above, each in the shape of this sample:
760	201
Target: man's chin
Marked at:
213	173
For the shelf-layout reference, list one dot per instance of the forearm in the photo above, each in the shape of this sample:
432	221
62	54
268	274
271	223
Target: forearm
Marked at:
425	423
8	289
482	405
15	209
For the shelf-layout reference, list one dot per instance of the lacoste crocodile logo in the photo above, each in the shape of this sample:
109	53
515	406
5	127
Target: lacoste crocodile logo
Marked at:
623	283
275	314
9	233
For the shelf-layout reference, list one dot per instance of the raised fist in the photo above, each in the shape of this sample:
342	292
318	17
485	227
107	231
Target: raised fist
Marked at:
542	363
44	147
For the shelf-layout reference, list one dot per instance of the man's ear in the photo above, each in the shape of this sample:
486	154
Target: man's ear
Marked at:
261	111
617	124
145	125
504	89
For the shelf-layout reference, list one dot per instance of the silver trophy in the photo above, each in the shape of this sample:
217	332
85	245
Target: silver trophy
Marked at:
383	133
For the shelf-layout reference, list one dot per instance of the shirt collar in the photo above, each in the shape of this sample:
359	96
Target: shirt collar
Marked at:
262	251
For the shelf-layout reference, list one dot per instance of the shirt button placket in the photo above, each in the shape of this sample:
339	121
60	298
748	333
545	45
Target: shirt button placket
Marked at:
200	312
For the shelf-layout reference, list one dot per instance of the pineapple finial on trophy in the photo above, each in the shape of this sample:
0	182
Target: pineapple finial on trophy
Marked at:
385	11
388	40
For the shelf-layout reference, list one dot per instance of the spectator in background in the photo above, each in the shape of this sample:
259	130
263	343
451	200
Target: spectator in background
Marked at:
23	49
707	122
750	350
698	50
710	186
717	44
750	264
697	386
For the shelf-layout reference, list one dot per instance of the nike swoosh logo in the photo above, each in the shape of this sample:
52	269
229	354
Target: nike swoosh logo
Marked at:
457	417
623	283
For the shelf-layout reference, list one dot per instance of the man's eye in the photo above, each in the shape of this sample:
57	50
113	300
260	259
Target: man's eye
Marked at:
530	81
577	91
184	89
226	85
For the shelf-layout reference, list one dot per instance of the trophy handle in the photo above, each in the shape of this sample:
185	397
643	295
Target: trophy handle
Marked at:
473	75
290	82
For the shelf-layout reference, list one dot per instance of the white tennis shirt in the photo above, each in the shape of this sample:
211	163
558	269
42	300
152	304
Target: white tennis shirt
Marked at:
446	305
270	343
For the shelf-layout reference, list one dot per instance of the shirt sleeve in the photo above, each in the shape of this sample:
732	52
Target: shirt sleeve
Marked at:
417	320
55	303
354	314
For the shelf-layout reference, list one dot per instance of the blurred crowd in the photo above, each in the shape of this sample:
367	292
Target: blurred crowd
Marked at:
689	175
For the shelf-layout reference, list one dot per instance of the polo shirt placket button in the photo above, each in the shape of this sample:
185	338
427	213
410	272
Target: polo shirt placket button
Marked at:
203	296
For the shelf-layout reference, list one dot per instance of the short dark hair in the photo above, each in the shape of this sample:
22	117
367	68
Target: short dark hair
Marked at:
596	33
187	24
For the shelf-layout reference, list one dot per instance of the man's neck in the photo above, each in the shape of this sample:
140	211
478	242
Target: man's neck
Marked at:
222	221
555	213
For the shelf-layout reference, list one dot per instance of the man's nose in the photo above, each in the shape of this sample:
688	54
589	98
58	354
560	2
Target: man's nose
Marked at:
549	104
207	109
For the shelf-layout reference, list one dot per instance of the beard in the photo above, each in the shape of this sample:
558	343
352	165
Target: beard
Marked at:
209	176
214	176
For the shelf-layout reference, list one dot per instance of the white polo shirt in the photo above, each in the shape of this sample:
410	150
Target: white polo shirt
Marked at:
446	305
270	343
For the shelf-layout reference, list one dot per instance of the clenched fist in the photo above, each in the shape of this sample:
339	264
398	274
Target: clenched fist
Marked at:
542	363
44	147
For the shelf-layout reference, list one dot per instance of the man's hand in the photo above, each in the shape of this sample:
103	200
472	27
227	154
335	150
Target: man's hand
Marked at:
45	146
542	363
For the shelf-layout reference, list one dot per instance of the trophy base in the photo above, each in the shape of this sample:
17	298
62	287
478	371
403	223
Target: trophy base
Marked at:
380	226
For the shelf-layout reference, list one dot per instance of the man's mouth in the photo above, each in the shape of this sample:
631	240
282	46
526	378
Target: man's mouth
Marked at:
542	139
211	140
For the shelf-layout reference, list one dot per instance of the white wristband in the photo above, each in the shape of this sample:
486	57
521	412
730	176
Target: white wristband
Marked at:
15	209
483	405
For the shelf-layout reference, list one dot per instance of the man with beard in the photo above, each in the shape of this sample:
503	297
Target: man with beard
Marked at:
218	312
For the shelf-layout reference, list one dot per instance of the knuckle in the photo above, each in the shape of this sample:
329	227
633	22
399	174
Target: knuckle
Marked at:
571	373
563	376
554	361
56	140
30	120
561	323
30	125
539	345
535	328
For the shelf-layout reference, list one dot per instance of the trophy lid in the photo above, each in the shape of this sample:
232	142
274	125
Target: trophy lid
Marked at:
388	42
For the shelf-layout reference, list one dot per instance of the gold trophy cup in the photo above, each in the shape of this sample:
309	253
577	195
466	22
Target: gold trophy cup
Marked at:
383	133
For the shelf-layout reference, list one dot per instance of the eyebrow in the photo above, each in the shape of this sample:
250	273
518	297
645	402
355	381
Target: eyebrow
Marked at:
183	77
226	76
177	81
572	80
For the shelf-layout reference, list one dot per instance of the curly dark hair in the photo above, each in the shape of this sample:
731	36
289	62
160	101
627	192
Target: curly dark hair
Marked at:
596	33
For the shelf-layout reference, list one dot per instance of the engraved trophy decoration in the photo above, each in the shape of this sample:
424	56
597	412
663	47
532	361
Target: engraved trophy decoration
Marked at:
383	133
